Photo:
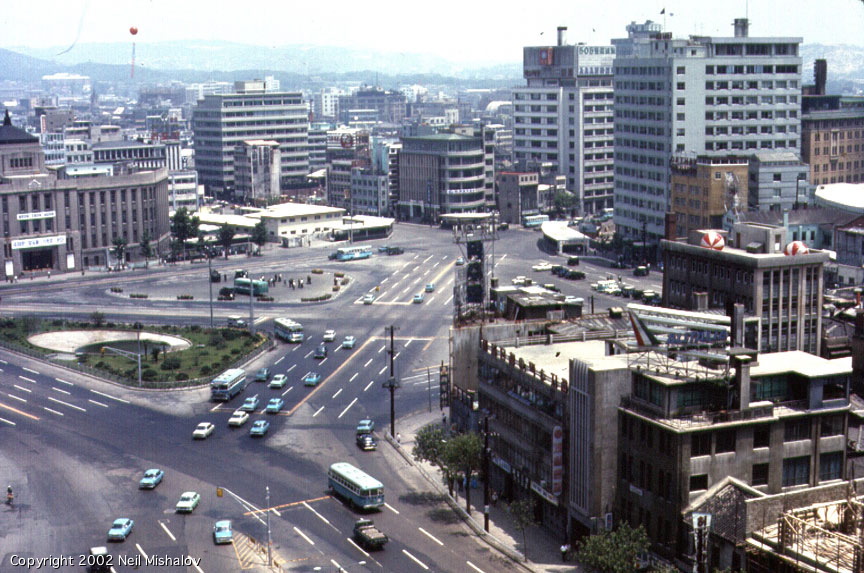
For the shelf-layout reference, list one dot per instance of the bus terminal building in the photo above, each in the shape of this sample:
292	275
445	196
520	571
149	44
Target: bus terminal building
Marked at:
53	221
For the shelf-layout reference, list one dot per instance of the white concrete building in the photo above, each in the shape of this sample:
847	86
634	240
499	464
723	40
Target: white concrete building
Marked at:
702	95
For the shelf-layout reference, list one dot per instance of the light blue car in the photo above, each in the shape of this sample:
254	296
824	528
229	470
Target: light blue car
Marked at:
311	379
120	529
151	479
222	532
274	406
259	428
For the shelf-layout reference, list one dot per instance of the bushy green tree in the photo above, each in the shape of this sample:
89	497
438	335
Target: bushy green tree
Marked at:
183	227
429	445
613	551
259	234
120	243
463	454
226	237
146	248
522	512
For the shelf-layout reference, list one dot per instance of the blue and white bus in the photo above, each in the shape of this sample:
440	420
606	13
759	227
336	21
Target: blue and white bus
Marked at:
530	221
353	253
227	385
288	330
356	486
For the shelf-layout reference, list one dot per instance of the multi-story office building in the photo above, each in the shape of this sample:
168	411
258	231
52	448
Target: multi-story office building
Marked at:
832	138
563	119
65	224
389	106
713	96
318	146
369	192
778	181
256	171
778	281
347	148
133	154
326	104
385	159
222	121
184	191
518	195
440	174
707	192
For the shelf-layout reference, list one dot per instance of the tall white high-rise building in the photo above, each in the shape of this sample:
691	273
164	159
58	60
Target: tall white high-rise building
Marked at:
563	119
706	96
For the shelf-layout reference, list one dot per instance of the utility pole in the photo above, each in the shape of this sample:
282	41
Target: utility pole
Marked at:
269	536
210	282
251	305
392	383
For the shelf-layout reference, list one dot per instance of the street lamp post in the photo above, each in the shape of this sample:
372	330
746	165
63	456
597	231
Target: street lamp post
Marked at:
392	383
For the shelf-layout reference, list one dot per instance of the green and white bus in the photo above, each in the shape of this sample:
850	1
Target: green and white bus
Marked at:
356	486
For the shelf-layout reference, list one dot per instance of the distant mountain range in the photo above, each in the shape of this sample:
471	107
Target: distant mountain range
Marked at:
302	65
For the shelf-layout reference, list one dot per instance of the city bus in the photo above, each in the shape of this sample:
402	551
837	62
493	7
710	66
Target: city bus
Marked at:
530	221
353	253
356	486
227	385
288	330
241	286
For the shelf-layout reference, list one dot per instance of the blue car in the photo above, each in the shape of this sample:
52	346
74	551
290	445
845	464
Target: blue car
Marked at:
151	479
259	428
274	405
311	379
120	529
222	532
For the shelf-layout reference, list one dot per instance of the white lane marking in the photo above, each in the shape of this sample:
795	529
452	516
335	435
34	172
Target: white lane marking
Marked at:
410	340
278	361
195	565
382	349
417	561
351	541
391	508
308	354
430	536
318	411
395	356
339	391
61	391
53	411
3	362
348	407
383	370
98	403
474	567
17	398
368	362
64	382
22	388
368	385
56	401
141	551
290	369
171	535
303	535
353	377
110	396
25	369
288	390
24	378
323	361
7	421
321	517
448	300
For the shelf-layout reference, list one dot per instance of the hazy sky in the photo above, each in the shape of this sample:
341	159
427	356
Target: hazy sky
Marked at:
468	30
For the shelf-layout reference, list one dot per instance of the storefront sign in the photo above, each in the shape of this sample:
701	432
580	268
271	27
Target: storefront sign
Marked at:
501	464
37	242
538	489
557	460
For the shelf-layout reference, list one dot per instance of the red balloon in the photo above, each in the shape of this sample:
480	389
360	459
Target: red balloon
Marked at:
133	30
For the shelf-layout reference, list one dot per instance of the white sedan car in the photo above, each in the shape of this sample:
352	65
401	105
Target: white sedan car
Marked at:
544	266
238	418
329	335
203	430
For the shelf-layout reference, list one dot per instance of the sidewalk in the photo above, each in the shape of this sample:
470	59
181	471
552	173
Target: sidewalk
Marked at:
544	554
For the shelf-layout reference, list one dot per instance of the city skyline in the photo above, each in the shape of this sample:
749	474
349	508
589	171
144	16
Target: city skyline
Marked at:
469	33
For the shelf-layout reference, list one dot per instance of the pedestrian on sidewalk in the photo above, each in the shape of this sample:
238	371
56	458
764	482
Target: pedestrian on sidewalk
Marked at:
564	550
398	438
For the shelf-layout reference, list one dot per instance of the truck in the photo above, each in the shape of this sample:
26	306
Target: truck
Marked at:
368	536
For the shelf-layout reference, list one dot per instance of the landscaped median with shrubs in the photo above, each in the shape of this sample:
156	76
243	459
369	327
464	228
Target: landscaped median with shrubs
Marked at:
209	352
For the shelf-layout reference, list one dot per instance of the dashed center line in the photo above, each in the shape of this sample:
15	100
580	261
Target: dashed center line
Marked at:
98	403
61	391
67	404
318	411
368	385
47	409
343	412
27	379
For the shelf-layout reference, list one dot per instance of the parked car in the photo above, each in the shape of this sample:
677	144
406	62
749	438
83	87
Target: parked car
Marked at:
365	426
349	342
189	500
250	404
259	428
263	375
120	529
311	379
222	532
329	335
274	405
151	479
278	381
238	418
203	430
